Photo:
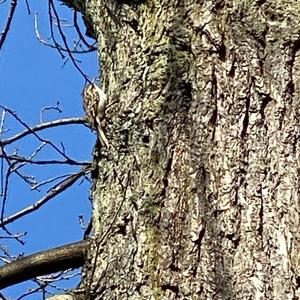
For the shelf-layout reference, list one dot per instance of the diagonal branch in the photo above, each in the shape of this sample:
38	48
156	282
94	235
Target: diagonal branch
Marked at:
52	193
64	39
92	47
13	5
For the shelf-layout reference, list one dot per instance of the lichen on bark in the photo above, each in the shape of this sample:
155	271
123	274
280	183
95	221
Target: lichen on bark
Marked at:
198	195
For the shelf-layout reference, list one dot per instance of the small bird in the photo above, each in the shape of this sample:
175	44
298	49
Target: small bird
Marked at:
94	101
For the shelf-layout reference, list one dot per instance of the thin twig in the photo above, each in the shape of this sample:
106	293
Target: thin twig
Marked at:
5	184
51	4
2	123
37	136
80	34
16	235
55	46
49	181
49	108
30	292
28	7
12	168
53	192
13	5
52	31
34	153
2	162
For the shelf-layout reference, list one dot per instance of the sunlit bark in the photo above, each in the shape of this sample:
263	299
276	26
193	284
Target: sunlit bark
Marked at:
198	196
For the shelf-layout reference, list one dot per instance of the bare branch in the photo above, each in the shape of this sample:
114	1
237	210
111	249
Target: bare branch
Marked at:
17	166
28	7
13	5
30	130
45	162
4	190
80	34
91	48
2	123
51	5
2	162
52	32
49	180
17	235
30	292
62	153
51	194
45	262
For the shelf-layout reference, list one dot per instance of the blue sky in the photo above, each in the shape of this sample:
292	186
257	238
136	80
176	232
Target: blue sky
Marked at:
33	76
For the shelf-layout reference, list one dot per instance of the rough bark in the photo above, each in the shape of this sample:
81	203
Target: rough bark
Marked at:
198	196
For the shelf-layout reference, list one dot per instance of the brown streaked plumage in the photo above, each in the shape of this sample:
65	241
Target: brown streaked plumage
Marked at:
94	101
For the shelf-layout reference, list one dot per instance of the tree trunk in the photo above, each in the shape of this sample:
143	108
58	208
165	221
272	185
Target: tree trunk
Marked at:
198	195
